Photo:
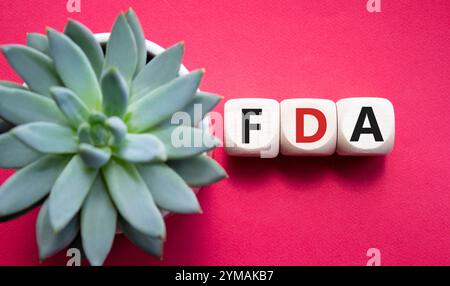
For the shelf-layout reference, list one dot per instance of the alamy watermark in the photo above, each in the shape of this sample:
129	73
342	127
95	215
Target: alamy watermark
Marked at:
373	6
73	6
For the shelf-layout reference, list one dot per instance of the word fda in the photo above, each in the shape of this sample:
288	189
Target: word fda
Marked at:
359	126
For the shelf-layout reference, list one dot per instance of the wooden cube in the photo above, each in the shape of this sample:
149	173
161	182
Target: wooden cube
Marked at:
366	126
308	127
252	127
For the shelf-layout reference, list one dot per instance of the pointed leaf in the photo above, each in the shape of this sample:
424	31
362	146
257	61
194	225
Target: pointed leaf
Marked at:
49	242
30	184
168	189
35	68
198	171
202	104
133	199
69	192
161	103
98	223
115	93
38	42
160	70
183	142
141	148
14	154
49	138
85	39
121	51
139	37
70	105
94	157
75	69
149	244
11	84
21	106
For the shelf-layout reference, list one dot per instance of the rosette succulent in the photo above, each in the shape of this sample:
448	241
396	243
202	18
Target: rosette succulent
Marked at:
92	139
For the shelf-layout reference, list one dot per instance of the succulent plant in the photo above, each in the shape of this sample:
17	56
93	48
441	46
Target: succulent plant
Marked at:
91	140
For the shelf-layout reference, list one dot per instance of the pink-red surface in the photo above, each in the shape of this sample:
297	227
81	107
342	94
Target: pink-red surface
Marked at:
288	210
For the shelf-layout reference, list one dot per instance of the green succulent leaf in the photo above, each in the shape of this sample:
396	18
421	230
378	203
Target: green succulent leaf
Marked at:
49	242
11	84
14	154
115	93
30	184
150	244
183	142
132	198
70	105
201	105
21	213
34	67
161	103
69	192
85	39
118	129
75	69
139	37
38	42
84	133
198	171
168	189
48	138
94	157
160	70
121	50
139	148
21	106
98	223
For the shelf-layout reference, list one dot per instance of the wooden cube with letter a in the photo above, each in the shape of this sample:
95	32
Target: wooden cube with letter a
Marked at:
366	126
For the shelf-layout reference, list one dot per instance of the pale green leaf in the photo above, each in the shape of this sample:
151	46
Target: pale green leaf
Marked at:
198	171
168	189
34	67
118	129
94	157
98	223
38	42
201	105
115	93
133	199
121	50
183	142
49	242
85	39
70	105
48	138
30	184
160	70
139	37
75	69
14	154
11	84
141	148
161	103
69	192
21	106
150	244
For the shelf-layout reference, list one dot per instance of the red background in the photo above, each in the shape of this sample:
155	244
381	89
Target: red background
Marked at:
293	211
